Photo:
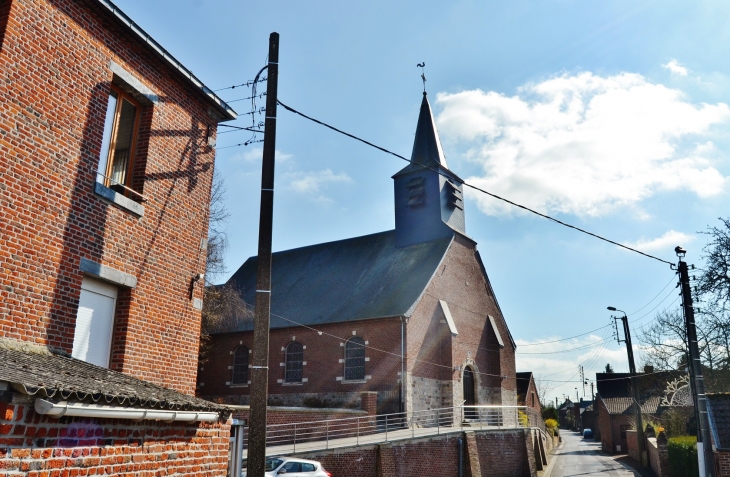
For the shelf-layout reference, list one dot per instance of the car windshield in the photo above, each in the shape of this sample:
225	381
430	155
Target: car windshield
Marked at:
272	464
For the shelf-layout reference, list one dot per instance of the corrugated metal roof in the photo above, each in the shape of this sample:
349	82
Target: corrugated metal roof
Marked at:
353	279
44	374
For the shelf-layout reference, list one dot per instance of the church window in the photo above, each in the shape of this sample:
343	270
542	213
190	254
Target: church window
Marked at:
294	360
416	191
355	359
240	366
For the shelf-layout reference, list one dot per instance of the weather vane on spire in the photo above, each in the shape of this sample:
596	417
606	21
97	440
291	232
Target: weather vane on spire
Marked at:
423	74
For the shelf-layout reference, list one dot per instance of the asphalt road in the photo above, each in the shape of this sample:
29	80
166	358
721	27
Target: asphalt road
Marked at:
583	457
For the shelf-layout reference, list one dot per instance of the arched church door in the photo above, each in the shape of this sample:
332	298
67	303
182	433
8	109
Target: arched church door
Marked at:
469	396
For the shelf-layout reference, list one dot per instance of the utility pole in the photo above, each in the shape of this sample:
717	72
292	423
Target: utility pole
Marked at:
704	446
634	384
260	369
583	380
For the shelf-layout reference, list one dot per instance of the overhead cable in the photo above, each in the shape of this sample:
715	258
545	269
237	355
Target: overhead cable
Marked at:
475	187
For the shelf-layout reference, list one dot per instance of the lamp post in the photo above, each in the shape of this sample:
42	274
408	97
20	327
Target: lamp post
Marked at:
634	383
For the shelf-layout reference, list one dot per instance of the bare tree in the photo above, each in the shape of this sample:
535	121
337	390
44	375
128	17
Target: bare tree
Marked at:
665	340
543	390
223	307
714	281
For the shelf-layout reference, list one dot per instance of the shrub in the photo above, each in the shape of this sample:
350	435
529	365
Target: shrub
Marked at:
682	452
550	413
551	423
524	420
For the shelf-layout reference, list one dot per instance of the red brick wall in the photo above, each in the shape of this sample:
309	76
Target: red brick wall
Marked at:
36	446
461	283
604	424
54	85
499	454
506	453
722	463
322	356
633	445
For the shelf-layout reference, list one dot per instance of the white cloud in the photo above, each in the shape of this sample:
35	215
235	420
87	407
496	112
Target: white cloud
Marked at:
256	154
311	182
584	144
559	371
669	240
675	68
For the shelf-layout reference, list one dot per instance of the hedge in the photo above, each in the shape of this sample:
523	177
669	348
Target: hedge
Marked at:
683	456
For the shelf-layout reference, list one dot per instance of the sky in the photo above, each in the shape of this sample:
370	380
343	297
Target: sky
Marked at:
611	116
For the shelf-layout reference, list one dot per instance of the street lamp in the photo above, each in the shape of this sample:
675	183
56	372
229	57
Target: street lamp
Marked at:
634	382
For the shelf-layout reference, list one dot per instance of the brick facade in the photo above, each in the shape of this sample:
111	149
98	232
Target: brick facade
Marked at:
323	355
55	80
434	359
58	226
35	446
722	463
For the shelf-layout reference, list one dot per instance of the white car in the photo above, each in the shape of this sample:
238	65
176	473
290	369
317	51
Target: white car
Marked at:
292	467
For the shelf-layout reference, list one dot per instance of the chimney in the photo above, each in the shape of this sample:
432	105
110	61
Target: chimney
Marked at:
648	369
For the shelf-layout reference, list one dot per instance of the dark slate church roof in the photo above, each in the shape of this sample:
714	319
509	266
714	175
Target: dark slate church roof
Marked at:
358	278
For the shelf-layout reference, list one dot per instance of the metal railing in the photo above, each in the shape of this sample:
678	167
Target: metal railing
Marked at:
401	425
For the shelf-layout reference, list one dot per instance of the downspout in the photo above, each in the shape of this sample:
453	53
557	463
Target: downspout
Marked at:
461	457
402	366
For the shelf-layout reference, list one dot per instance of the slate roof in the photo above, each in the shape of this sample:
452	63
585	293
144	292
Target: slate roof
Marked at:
347	280
38	372
624	405
719	408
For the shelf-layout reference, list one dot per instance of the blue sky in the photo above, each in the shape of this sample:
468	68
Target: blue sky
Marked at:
608	115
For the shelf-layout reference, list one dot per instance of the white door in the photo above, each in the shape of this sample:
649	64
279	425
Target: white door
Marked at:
94	322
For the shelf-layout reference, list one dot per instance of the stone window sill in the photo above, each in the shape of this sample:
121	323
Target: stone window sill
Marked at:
292	384
118	199
238	385
359	381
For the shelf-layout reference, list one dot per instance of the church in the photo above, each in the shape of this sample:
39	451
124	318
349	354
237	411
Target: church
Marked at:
409	313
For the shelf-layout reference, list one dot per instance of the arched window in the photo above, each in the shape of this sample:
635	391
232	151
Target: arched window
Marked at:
294	360
355	359
240	366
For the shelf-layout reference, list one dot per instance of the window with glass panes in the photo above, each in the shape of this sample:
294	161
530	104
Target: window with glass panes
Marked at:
294	361
240	366
355	359
119	140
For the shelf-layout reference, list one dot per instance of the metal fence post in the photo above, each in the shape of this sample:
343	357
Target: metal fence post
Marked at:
327	435
357	439
295	437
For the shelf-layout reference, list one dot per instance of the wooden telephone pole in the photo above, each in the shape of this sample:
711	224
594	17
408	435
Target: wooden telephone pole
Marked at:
260	369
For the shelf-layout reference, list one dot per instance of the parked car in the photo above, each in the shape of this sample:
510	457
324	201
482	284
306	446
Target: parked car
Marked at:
292	467
587	434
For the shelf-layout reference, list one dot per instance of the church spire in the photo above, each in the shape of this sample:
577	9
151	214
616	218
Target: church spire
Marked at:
427	149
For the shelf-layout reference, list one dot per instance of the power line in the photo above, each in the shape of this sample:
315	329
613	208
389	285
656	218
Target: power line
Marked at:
475	187
248	84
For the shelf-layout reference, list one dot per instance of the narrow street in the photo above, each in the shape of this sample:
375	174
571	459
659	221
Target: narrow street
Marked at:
583	457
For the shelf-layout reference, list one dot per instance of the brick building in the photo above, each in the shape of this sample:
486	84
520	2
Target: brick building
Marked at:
355	315
718	405
527	391
658	392
106	167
